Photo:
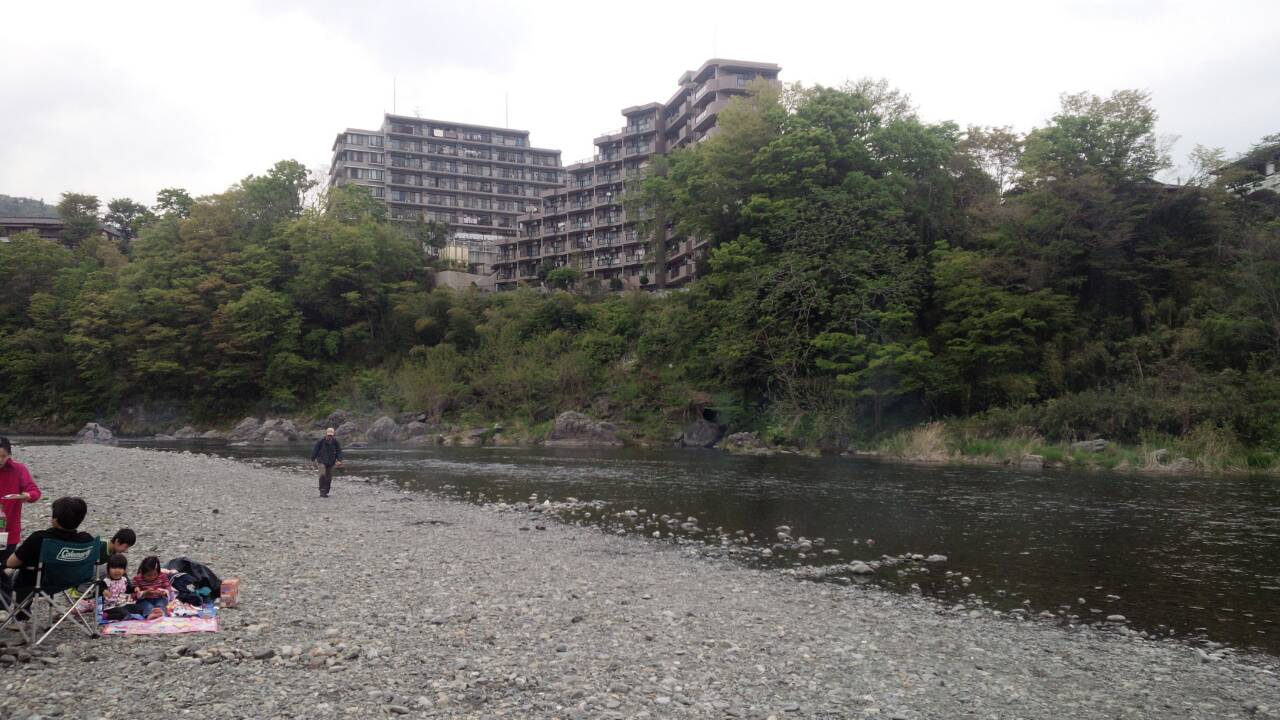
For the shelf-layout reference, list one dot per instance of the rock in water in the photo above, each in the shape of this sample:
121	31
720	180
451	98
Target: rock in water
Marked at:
276	431
383	430
858	567
1031	462
701	433
1097	445
745	443
574	428
415	429
348	431
95	434
186	432
246	430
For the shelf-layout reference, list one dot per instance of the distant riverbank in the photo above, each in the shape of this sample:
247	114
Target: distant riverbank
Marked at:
934	442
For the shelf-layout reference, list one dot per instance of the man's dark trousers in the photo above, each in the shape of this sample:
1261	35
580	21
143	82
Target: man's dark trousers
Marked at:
326	478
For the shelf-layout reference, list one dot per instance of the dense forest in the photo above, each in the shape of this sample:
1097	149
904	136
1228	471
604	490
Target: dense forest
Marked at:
25	207
869	272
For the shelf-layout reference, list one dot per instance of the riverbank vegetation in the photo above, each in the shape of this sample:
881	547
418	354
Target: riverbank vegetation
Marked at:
869	273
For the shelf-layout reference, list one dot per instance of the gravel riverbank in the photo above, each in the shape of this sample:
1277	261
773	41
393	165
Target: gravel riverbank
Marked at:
380	603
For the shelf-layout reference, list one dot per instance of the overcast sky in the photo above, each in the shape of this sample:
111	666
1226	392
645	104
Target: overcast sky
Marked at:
122	99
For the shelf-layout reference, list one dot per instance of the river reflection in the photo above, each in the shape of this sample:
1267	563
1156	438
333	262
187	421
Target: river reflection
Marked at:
1196	556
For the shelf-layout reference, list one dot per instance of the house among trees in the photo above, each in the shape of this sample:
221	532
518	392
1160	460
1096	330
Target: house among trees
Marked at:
50	229
1258	169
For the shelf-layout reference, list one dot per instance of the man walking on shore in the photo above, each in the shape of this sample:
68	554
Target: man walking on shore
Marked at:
16	488
327	453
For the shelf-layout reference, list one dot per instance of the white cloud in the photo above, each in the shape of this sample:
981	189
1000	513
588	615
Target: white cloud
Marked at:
123	99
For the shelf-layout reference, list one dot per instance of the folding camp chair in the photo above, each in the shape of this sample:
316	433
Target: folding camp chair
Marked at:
62	567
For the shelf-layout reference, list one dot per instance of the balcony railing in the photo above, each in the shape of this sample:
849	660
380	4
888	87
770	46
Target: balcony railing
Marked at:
635	129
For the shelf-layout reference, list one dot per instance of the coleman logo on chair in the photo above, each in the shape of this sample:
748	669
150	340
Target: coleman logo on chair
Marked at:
73	554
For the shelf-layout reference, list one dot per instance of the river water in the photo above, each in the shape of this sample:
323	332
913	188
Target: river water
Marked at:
1193	557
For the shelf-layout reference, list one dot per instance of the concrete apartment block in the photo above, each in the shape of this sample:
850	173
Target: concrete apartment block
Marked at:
586	225
476	179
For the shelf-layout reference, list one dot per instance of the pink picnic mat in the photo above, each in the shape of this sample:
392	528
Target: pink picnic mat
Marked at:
168	625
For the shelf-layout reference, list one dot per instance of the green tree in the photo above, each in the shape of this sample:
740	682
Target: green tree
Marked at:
79	212
173	202
128	216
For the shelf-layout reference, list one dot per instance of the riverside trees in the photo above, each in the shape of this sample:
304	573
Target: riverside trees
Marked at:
866	269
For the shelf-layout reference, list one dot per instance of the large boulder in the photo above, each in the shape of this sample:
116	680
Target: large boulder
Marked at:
349	431
95	434
1097	445
745	443
337	419
576	429
213	435
277	430
186	432
701	433
383	430
415	429
246	430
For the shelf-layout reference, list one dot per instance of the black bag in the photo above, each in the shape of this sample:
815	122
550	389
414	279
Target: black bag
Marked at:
201	575
187	588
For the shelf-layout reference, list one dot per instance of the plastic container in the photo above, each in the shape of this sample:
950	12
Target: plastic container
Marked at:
230	592
97	610
208	609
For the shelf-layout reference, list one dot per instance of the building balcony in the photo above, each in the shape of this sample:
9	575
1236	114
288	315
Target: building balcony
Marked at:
604	136
638	129
639	149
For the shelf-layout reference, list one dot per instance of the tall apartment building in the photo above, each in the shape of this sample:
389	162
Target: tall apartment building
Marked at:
585	225
474	178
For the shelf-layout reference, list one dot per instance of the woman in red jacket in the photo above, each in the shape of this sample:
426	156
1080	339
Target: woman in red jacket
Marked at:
16	488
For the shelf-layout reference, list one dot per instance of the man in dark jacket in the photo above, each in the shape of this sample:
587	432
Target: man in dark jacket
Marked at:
327	453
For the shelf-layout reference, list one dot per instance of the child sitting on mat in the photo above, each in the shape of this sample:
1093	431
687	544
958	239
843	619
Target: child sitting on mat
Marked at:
152	588
117	591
